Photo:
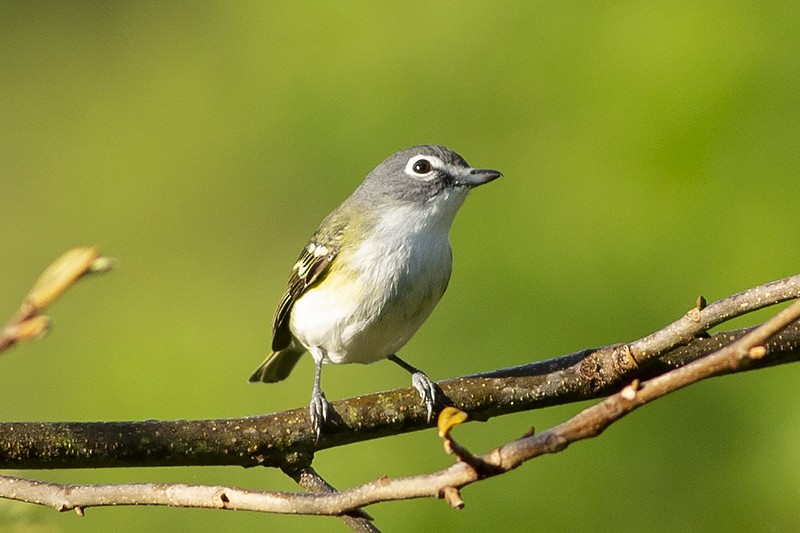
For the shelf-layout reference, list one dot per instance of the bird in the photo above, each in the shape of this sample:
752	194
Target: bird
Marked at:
373	271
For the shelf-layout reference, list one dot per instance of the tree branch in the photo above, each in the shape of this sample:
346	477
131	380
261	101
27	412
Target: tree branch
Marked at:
446	483
285	440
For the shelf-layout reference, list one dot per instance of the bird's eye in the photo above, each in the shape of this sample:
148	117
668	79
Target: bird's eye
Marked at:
422	166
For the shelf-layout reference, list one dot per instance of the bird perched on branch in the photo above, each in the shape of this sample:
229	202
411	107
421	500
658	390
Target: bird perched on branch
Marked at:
373	271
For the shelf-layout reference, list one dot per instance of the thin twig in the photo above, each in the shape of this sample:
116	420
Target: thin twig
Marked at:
704	317
28	323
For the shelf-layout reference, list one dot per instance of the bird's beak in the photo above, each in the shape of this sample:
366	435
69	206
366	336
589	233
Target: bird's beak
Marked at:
477	176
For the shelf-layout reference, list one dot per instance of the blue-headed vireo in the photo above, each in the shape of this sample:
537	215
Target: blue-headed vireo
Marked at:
373	271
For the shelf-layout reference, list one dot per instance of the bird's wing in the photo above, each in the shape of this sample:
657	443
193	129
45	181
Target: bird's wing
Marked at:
312	265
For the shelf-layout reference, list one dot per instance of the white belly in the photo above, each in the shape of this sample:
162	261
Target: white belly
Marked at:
368	312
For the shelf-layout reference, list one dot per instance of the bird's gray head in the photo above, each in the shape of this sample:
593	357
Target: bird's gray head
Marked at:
419	174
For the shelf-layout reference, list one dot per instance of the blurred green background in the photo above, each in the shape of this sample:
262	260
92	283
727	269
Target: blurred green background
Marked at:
650	153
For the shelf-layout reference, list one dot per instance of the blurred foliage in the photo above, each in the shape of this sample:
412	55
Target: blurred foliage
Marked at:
650	153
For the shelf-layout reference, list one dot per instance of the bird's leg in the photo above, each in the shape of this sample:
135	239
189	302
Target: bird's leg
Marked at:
319	404
421	382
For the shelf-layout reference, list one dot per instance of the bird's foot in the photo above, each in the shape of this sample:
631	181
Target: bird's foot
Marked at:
426	389
318	411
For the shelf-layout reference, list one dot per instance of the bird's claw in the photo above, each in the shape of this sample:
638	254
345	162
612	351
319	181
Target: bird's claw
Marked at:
318	411
426	389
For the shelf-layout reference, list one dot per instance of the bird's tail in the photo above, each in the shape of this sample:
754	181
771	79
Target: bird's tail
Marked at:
277	366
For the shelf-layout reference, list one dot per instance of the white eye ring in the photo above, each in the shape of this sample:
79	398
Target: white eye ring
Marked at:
423	166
